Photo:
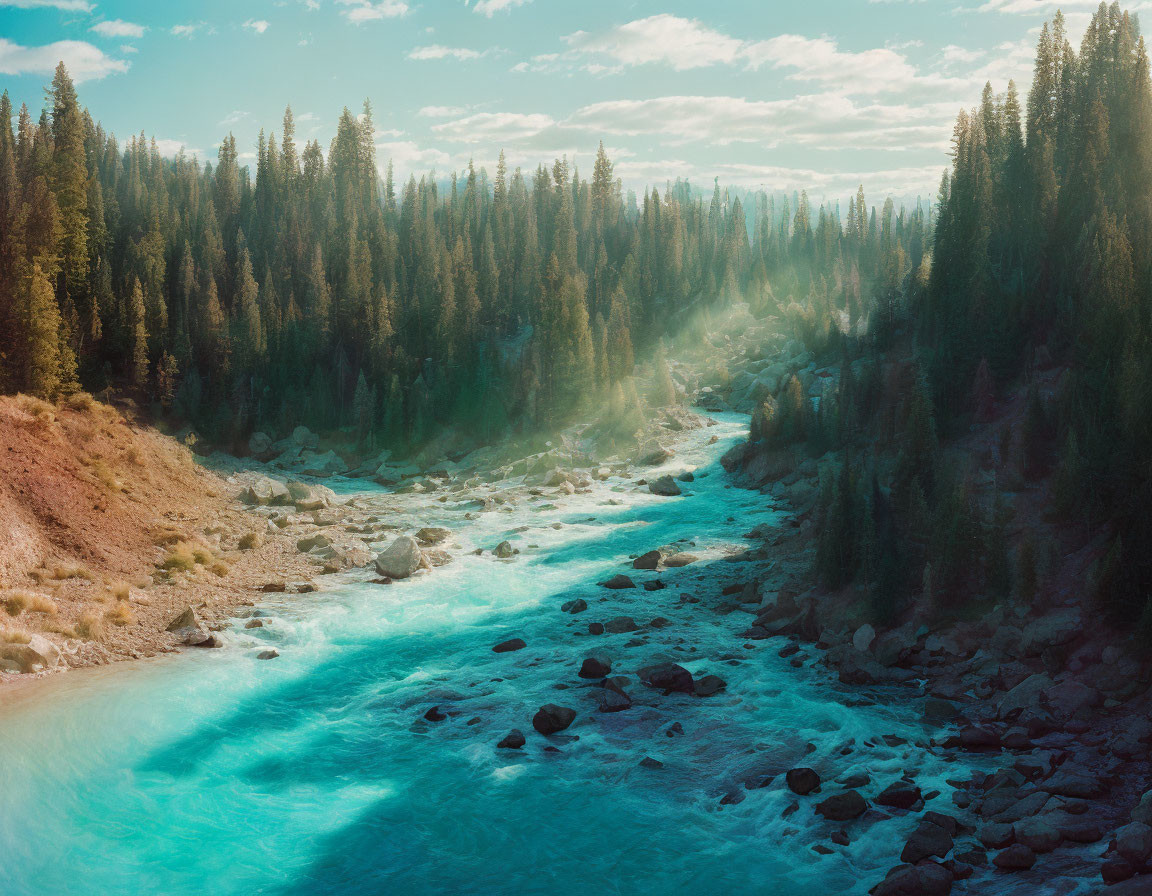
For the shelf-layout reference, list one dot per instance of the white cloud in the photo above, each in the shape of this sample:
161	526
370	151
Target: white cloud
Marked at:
118	28
485	126
407	155
83	61
953	53
436	51
67	5
234	117
128	48
489	8
186	30
257	25
668	39
442	111
685	44
171	148
361	11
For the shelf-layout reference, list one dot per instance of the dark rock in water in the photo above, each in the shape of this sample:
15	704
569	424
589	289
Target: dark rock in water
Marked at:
618	582
613	698
996	836
802	781
1133	842
269	654
594	668
1082	830
668	677
649	762
665	487
574	606
509	646
659	622
950	824
550	718
1040	836
927	879
1132	886
1116	869
821	849
654	585
620	625
709	685
840	838
852	782
929	839
675	729
687	476
647	561
503	550
254	623
843	806
275	587
434	715
1016	857
514	740
732	798
900	795
595	628
790	810
212	641
675	561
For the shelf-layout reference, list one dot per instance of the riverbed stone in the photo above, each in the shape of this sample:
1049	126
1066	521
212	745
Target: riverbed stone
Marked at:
802	781
593	668
649	560
618	582
1016	857
899	795
929	839
510	645
843	806
514	740
552	718
665	487
401	559
1134	842
668	677
925	879
1037	834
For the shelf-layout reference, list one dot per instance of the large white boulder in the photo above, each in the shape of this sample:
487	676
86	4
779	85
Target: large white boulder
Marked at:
401	559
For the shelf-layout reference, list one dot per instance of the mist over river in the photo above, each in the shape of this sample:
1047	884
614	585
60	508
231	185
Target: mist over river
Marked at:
213	772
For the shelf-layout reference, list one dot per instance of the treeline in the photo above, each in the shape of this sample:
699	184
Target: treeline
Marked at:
1040	263
317	292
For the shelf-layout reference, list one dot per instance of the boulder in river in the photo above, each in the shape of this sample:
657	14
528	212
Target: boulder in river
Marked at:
593	668
551	718
665	487
509	646
1016	857
613	698
929	839
504	550
514	740
649	560
621	625
188	629
710	685
668	677
677	560
802	781
843	806
579	605
925	879
899	795
401	559
618	582
1134	842
266	492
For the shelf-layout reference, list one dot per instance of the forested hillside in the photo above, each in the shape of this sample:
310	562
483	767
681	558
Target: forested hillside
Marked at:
1015	362
315	291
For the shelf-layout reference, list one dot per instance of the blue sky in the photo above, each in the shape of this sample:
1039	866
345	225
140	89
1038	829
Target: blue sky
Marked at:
817	95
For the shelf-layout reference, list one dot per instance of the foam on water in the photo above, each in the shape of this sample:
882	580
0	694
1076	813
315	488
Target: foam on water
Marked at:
214	772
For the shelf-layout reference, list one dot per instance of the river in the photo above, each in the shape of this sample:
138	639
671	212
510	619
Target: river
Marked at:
214	772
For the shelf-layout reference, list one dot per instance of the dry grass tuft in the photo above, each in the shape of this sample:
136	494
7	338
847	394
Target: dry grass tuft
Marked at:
181	558
249	541
120	590
165	534
219	568
72	572
107	477
13	636
17	602
202	555
91	626
121	614
42	413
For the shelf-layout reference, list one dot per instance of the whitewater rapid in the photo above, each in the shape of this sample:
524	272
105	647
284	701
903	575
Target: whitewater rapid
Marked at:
214	772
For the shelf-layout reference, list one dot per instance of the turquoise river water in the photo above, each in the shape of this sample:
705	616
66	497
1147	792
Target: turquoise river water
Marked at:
211	772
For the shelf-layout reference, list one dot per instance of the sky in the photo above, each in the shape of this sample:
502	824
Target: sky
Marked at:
819	95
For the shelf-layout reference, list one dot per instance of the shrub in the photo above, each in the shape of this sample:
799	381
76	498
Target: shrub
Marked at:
17	602
42	413
90	626
219	568
250	540
121	614
13	636
72	572
79	401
